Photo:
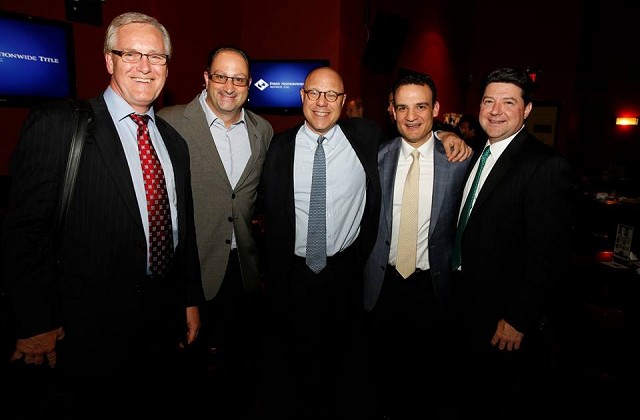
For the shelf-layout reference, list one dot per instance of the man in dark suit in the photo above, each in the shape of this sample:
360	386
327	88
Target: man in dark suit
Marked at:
314	316
508	257
95	303
227	144
409	309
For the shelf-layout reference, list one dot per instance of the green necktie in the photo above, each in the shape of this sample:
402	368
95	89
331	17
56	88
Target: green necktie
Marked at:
456	258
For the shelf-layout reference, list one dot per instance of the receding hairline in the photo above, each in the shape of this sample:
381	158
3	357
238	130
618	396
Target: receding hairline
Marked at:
329	72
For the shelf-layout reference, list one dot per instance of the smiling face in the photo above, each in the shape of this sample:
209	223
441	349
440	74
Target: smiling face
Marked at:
138	83
321	115
502	110
226	99
414	112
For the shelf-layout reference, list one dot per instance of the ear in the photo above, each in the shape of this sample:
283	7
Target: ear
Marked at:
527	110
436	109
108	58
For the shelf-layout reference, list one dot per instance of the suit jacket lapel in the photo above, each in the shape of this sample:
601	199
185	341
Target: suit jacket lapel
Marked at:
109	146
201	134
499	170
440	180
288	144
358	143
255	144
388	168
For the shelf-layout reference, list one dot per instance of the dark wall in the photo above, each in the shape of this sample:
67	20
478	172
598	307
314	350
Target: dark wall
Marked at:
579	50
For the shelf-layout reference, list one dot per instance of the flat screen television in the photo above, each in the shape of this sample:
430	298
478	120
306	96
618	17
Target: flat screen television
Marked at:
275	85
37	60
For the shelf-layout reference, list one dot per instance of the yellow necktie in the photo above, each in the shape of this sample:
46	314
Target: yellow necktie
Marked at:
408	233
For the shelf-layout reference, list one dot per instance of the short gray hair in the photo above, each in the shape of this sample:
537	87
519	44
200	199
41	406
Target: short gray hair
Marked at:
111	36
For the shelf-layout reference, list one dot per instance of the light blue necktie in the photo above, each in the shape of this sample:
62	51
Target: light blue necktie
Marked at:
317	228
456	258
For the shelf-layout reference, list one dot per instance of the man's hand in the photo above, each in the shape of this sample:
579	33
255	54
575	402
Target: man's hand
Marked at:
193	323
35	349
506	336
455	148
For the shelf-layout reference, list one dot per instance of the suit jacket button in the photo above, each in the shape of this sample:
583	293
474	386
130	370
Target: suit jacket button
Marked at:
227	241
230	219
233	195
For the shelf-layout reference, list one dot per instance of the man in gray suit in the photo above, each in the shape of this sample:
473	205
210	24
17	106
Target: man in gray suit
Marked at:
228	145
408	308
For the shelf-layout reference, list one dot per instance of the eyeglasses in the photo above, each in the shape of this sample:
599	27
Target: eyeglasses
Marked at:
222	79
330	96
135	57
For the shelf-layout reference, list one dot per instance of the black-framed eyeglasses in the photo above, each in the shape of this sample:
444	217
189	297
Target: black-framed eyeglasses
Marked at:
135	57
330	95
222	79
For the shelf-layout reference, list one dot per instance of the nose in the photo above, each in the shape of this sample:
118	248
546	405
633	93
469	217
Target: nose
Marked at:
322	99
144	65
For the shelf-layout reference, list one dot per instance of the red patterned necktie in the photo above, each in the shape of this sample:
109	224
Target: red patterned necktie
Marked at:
160	230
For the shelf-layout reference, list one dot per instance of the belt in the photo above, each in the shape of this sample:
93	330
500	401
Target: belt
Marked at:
419	272
150	282
344	254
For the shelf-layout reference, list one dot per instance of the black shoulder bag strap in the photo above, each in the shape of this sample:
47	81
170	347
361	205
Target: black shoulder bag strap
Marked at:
84	115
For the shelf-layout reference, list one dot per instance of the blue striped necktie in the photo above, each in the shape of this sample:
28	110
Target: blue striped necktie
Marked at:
317	226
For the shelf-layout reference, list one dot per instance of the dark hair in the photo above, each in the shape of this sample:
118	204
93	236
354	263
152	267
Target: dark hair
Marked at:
513	76
214	52
415	78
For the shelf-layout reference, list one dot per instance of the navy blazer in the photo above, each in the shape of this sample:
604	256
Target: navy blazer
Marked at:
277	192
448	184
102	258
516	239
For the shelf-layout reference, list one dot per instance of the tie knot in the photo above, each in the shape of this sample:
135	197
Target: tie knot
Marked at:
141	120
415	154
320	140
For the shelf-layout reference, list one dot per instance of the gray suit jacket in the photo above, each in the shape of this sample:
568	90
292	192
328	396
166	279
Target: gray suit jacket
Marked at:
448	185
219	208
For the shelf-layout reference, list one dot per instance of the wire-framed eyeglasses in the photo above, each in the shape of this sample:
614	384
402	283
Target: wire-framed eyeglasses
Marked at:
135	57
222	79
330	95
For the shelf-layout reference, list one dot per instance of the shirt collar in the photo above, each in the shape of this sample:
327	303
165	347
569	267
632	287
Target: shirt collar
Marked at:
426	148
211	116
119	108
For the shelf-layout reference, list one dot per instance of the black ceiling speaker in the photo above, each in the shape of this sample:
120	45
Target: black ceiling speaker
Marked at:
84	11
386	39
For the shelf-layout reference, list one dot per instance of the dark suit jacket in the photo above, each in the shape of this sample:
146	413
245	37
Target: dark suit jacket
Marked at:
516	240
215	200
277	187
447	192
102	257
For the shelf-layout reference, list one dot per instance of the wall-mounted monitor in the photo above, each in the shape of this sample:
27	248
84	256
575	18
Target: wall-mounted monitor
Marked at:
37	60
275	85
